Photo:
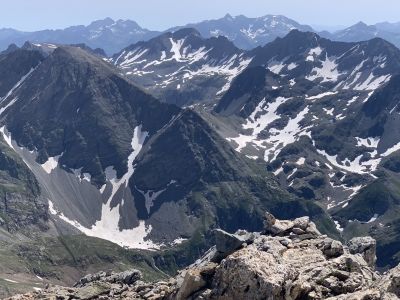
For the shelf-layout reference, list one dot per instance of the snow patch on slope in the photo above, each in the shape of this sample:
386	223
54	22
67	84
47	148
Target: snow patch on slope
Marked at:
328	71
372	82
51	163
108	226
132	57
276	67
263	115
260	119
176	49
288	135
355	166
7	136
152	195
392	149
322	95
314	52
338	227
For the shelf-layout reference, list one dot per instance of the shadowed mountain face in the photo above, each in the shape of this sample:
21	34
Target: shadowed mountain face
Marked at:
73	103
15	65
20	203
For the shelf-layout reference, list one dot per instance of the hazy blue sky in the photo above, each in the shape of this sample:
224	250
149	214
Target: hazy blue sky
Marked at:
161	14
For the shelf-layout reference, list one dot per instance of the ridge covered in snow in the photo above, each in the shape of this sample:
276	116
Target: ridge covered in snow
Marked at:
181	63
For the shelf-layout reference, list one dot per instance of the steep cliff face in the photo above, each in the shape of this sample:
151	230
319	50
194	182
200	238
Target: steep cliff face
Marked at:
14	65
20	202
288	260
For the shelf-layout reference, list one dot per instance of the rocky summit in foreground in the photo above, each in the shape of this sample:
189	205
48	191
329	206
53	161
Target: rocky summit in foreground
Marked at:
288	260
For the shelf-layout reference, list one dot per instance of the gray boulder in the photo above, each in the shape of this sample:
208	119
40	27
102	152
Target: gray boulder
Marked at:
227	243
127	277
366	246
332	248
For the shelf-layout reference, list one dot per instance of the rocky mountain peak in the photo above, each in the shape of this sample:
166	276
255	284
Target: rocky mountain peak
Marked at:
305	35
175	66
228	17
67	53
12	47
248	33
101	23
185	32
360	25
128	23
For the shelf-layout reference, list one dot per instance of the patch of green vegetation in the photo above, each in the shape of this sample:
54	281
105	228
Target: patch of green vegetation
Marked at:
8	288
64	259
46	256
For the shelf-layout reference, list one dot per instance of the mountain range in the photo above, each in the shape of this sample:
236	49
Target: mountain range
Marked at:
183	67
106	34
112	36
88	152
294	104
323	116
246	33
154	147
363	32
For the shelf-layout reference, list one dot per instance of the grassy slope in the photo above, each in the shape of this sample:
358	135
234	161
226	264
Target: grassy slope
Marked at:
64	260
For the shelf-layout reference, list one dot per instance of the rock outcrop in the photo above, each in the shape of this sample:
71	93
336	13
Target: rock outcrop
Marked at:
288	260
127	277
365	246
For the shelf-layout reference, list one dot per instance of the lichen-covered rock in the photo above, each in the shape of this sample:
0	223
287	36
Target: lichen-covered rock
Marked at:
250	274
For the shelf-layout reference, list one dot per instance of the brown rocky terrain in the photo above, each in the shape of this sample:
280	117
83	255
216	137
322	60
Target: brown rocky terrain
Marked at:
288	260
